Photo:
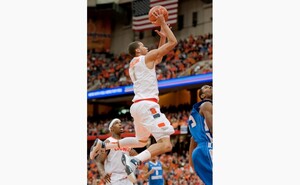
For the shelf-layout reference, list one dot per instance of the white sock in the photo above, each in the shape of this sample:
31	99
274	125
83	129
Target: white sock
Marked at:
143	156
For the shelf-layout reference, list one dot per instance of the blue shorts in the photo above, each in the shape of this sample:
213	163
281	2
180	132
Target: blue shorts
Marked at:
203	163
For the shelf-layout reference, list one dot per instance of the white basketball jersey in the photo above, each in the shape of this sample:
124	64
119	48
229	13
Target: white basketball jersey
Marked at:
113	163
144	79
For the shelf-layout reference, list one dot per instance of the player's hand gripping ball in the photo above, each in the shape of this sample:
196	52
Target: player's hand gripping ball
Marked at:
152	18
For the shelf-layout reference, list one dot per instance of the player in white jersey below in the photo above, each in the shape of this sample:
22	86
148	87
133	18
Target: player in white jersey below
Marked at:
145	109
109	163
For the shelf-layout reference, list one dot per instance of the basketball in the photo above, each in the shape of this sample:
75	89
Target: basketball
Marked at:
152	18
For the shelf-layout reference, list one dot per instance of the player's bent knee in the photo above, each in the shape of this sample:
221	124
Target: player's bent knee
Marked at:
168	147
142	143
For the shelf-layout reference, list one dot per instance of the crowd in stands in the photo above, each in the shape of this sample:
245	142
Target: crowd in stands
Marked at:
105	70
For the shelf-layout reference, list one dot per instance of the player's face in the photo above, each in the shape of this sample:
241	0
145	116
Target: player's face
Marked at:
143	49
118	128
207	90
154	158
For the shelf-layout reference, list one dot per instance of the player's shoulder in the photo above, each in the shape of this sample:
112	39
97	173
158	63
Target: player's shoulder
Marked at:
109	139
205	103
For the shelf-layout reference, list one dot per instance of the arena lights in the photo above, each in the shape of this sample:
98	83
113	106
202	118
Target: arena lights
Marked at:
172	83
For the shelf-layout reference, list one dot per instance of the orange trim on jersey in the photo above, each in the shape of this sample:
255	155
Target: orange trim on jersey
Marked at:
147	99
116	143
161	125
134	62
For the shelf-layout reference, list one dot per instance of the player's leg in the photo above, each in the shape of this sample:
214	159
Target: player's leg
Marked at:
141	133
162	146
131	163
132	142
161	130
151	120
141	139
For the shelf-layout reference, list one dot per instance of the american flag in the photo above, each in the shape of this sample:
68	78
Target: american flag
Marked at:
140	8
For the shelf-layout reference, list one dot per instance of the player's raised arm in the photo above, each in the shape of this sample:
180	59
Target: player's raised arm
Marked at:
163	37
162	41
156	54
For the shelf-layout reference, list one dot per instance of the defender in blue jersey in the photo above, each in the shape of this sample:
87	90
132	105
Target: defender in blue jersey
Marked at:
201	145
154	169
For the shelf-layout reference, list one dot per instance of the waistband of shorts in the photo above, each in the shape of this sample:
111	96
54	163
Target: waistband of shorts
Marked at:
147	99
208	144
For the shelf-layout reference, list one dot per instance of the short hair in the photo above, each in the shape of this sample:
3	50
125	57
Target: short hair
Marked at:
200	93
132	47
113	122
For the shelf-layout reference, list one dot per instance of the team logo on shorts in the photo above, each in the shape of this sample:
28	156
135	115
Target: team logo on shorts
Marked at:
154	113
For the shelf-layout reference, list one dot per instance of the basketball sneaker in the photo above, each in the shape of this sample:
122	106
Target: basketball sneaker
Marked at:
98	146
130	164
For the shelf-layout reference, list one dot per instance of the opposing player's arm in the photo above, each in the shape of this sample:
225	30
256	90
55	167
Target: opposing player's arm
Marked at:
165	167
206	110
156	54
193	145
147	171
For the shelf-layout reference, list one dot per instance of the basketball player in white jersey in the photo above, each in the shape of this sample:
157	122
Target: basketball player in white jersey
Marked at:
145	109
109	163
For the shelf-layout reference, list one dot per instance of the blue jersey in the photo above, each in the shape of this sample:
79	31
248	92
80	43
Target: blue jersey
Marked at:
202	154
156	178
198	127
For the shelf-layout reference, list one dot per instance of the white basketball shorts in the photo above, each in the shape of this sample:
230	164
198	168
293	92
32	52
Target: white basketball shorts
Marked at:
149	120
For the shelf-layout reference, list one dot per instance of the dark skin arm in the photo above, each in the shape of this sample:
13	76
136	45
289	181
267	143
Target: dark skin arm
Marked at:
206	111
100	164
147	173
165	167
103	155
